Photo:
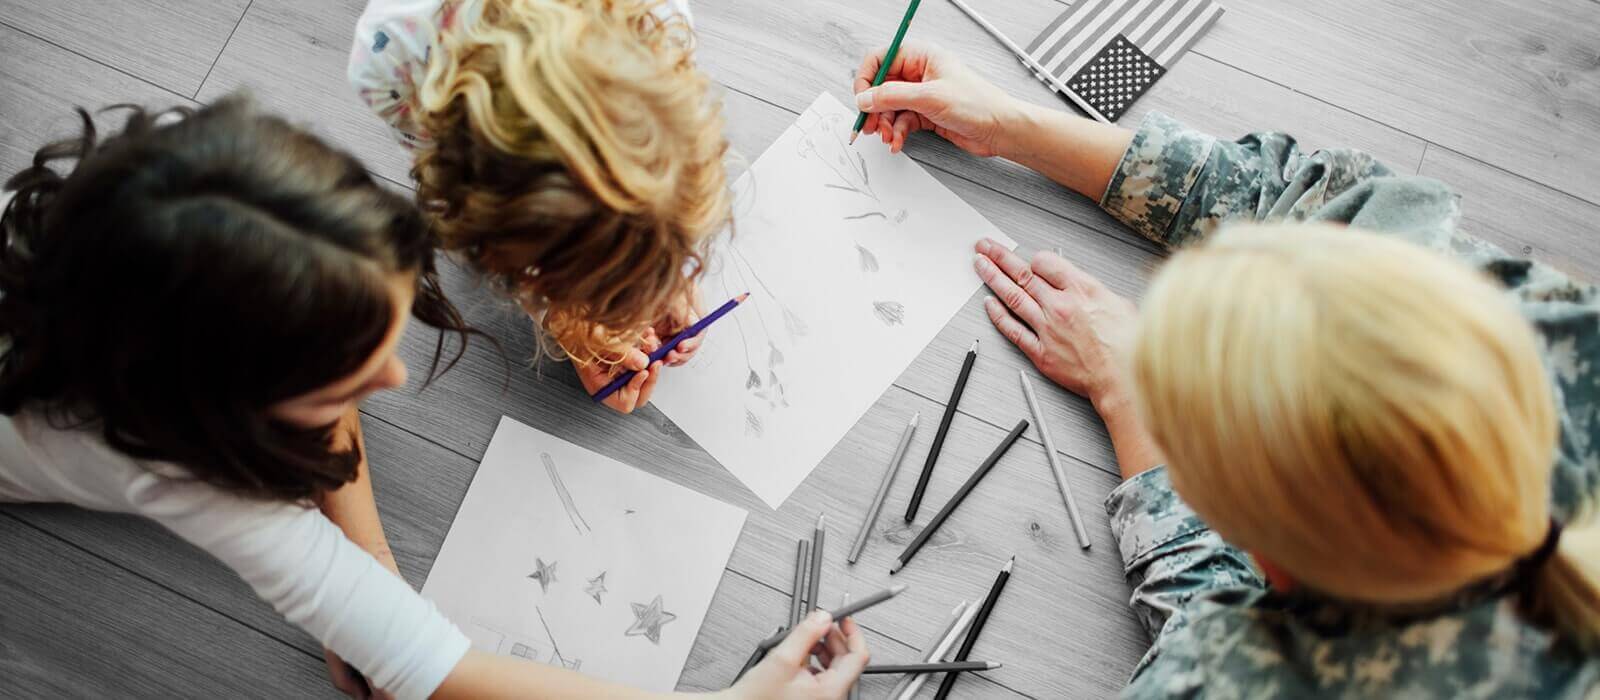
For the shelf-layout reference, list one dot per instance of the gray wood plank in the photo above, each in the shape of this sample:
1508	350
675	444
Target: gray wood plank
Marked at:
41	83
168	42
1514	84
75	626
1520	215
290	55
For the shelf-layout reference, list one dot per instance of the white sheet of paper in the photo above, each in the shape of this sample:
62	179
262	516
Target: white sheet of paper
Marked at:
854	258
565	557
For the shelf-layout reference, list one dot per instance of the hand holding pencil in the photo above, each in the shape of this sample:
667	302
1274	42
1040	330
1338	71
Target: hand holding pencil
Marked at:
785	672
926	89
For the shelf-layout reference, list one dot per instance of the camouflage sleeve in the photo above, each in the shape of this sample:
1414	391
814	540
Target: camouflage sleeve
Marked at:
1175	184
1168	554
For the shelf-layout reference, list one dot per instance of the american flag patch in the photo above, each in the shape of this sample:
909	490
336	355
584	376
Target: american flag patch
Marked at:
1109	52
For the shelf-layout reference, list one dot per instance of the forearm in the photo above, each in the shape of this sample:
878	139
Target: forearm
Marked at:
1136	449
1079	153
352	506
481	675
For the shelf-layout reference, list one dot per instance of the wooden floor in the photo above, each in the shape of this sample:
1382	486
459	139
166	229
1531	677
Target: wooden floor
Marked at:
1501	99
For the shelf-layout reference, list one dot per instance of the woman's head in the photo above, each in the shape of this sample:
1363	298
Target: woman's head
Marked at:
1369	417
576	161
214	292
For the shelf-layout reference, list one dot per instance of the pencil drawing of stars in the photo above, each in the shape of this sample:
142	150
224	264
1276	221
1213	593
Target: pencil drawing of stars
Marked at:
597	587
545	574
648	620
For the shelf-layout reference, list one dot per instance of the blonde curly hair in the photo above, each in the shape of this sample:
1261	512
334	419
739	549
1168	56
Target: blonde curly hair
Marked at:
577	162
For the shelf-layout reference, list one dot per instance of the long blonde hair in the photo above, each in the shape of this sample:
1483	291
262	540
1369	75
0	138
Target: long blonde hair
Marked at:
1368	416
576	161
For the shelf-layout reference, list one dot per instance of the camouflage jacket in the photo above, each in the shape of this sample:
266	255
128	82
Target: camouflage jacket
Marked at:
1218	630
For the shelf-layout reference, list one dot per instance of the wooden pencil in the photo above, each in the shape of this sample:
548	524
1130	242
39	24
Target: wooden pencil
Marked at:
938	437
914	682
667	347
932	644
951	667
842	613
802	555
961	495
888	60
883	489
999	585
814	586
1054	460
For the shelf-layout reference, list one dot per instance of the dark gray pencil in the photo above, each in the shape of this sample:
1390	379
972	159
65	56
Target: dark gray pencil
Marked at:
961	495
815	586
942	667
802	554
883	489
755	658
938	436
840	614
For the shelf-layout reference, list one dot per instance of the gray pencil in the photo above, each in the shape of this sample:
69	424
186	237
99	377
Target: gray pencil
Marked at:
883	489
802	554
1055	461
840	614
855	688
815	585
913	683
939	667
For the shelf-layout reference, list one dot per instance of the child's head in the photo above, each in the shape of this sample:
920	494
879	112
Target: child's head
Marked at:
214	292
577	162
1366	415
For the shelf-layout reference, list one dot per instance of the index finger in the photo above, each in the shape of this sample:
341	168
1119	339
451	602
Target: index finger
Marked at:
910	64
1057	270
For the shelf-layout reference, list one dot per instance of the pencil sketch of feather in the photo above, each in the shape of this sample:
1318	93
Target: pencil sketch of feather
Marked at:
892	313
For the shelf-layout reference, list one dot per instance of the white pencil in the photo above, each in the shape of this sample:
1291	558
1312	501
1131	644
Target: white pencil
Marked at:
944	647
1045	75
950	622
1055	460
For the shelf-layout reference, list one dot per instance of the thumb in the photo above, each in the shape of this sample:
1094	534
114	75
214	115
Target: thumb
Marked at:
635	360
898	96
796	648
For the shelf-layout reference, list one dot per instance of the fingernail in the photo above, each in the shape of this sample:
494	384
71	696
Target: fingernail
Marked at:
864	100
979	260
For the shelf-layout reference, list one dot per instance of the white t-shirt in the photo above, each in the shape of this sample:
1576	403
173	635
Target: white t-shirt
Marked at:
293	556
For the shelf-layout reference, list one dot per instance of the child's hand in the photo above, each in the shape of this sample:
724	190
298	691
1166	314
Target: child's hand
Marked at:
637	392
349	682
683	312
787	674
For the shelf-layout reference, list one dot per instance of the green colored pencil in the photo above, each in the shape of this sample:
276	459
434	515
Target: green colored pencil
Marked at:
888	60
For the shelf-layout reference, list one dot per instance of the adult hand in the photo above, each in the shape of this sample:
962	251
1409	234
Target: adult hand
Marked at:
682	312
786	673
595	376
349	682
1076	331
928	89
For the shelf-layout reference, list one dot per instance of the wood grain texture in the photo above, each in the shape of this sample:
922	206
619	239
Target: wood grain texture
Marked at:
290	55
73	625
1516	84
1521	216
41	83
170	43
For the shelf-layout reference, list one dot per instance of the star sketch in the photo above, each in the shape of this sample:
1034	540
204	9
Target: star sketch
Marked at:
648	621
596	587
545	574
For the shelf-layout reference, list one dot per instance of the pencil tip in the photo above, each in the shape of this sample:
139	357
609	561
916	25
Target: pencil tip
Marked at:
994	665
742	297
820	519
898	589
853	136
974	346
916	418
896	567
1010	563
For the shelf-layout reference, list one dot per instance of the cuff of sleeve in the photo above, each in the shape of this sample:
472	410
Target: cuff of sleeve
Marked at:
1147	515
1155	175
429	674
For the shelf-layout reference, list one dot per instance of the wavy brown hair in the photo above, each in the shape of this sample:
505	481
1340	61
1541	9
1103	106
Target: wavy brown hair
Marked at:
576	162
185	277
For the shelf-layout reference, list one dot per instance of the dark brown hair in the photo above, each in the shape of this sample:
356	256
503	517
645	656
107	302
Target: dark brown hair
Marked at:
186	276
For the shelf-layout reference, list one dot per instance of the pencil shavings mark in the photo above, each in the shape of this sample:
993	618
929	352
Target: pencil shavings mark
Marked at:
867	215
752	424
869	262
891	313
